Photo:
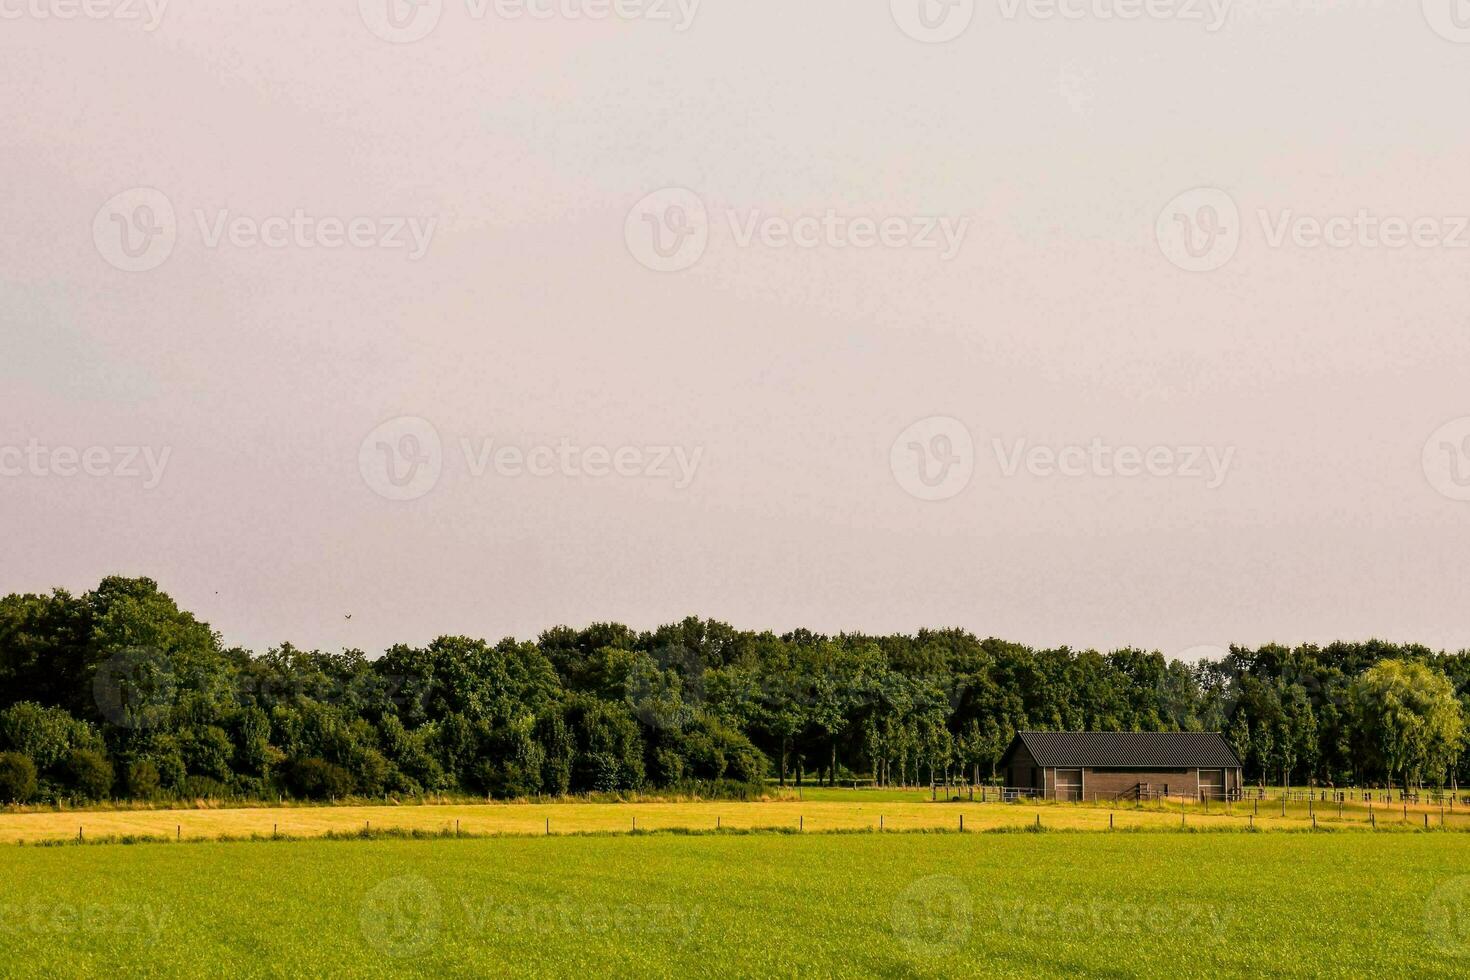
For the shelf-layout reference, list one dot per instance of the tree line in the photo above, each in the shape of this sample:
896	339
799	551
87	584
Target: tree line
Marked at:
118	693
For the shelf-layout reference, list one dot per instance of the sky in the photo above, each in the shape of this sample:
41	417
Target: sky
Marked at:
1099	323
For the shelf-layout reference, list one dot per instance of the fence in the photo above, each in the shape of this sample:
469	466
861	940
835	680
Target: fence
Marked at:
1448	798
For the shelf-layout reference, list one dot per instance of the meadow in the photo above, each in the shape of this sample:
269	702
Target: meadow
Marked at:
1019	904
815	810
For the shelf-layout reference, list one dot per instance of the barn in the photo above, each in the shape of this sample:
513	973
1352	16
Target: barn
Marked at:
1121	766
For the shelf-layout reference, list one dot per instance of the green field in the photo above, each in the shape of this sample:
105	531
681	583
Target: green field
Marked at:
865	904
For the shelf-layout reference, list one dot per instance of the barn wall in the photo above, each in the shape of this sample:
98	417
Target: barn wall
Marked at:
1101	784
1018	771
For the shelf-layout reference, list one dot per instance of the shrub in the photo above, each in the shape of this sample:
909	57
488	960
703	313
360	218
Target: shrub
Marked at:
668	767
483	777
45	735
203	788
89	774
163	752
369	770
318	779
601	772
747	763
17	778
247	787
142	779
206	750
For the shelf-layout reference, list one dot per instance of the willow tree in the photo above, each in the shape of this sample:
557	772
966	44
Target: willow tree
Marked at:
1408	718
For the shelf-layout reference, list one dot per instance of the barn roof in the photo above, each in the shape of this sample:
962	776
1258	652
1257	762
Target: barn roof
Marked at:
1127	750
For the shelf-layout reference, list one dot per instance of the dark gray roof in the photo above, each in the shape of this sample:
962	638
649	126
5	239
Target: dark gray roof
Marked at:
1128	750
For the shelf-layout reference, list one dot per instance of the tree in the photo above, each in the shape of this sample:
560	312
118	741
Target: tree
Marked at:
142	781
1240	736
45	735
89	774
124	674
17	778
319	780
1408	718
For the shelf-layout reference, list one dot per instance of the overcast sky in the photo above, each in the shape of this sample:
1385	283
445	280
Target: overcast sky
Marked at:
841	315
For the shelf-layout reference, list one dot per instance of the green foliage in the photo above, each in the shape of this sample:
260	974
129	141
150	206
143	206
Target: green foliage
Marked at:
89	774
142	780
1408	717
203	788
207	751
317	779
46	735
123	672
162	752
17	778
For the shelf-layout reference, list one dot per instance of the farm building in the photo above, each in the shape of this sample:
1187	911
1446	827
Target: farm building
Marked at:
1121	765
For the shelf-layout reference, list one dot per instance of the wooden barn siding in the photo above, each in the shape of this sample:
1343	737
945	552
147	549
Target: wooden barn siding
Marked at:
1019	773
1109	784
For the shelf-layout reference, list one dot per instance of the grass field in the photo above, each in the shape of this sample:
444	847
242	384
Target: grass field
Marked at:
930	905
820	810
